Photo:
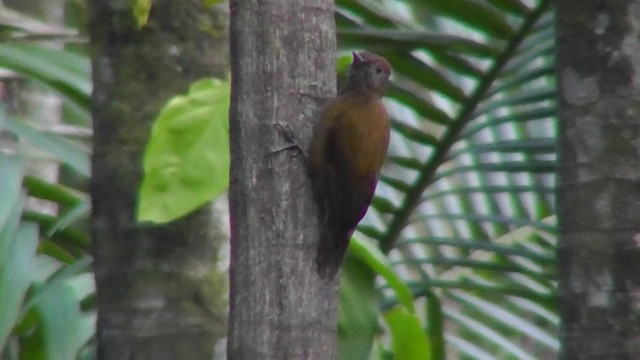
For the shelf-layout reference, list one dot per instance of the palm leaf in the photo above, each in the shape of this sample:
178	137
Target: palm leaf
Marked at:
465	203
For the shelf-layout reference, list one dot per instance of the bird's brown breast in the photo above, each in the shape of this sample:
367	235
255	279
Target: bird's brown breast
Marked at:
363	136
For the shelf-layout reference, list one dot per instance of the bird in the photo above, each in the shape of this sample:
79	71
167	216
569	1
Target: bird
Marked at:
347	150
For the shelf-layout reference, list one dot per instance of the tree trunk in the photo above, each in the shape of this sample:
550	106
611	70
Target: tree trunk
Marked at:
40	106
160	294
283	71
599	201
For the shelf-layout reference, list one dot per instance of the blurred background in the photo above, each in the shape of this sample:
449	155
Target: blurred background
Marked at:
463	218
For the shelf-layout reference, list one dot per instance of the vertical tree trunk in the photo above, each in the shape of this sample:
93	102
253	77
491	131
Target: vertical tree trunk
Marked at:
283	70
39	105
159	291
598	69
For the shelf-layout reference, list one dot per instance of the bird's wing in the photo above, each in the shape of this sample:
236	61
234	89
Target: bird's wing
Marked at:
346	195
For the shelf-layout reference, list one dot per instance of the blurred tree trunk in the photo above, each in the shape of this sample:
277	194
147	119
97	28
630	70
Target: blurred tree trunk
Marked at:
160	292
283	70
598	68
36	104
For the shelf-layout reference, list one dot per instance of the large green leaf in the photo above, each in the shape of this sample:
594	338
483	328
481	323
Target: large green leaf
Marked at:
358	320
186	163
409	340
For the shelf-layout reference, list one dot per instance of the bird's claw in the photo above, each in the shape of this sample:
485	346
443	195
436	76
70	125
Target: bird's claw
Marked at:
287	133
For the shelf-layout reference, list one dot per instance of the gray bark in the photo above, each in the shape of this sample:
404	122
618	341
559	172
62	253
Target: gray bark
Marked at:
598	70
283	71
160	294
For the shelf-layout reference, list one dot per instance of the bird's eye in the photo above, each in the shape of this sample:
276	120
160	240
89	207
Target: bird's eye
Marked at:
379	70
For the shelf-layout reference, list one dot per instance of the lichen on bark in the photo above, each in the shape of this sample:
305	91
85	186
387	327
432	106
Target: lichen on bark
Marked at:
155	294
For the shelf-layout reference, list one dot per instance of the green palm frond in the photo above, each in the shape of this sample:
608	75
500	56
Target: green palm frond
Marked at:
465	204
44	267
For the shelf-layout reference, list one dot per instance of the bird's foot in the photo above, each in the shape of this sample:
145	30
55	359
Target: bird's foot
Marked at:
287	134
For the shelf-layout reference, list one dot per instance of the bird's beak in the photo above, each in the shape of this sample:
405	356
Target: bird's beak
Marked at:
357	59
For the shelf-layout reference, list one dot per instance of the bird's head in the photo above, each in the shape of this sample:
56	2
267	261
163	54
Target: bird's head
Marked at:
369	72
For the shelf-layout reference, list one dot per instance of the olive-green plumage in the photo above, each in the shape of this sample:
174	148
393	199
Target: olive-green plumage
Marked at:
347	151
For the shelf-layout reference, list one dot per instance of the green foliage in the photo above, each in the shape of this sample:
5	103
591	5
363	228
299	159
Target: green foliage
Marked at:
15	273
409	340
342	64
186	163
64	329
13	251
44	270
358	316
63	150
465	205
435	326
372	257
14	25
61	71
40	315
358	310
209	3
141	10
464	213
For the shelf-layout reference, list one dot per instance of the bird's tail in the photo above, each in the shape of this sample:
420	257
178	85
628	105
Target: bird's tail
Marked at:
332	248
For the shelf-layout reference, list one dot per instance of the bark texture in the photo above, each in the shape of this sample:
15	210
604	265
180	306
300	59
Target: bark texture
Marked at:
160	294
598	71
283	71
